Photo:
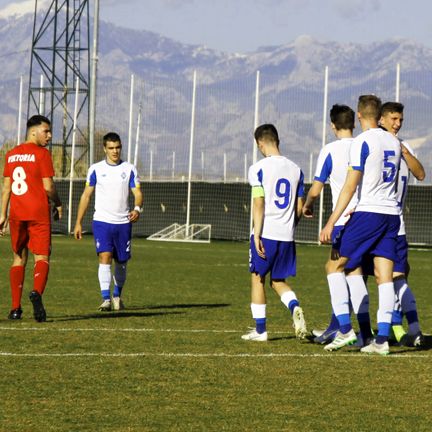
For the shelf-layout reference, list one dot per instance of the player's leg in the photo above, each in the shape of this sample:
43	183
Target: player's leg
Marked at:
119	279
104	277
340	303
258	309
40	245
405	302
386	299
121	254
289	299
384	229
102	233
400	268
282	254
19	241
408	307
16	278
359	297
397	316
331	265
258	268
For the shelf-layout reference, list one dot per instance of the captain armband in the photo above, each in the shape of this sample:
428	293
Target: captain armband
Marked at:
257	192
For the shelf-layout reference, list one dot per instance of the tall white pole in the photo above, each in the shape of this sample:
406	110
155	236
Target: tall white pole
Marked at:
130	118
42	97
254	151
310	166
224	167
202	165
397	82
93	82
173	166
20	110
323	143
71	173
151	165
191	142
245	168
137	137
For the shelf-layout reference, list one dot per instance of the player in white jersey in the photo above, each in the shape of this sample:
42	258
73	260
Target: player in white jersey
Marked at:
332	165
277	191
392	120
111	179
374	162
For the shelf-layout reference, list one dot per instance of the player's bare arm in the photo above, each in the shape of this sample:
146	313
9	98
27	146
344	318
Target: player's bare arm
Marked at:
312	195
51	191
5	204
349	188
138	197
258	222
299	209
414	165
82	208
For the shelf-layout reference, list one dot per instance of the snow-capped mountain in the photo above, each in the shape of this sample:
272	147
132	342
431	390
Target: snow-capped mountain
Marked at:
291	85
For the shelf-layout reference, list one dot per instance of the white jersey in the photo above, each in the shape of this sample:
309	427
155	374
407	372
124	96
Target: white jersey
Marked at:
282	181
377	154
112	183
404	176
332	165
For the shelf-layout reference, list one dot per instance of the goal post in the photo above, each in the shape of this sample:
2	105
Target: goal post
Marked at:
195	233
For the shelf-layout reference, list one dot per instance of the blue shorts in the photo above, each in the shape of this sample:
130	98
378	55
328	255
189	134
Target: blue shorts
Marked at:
400	264
369	233
280	259
114	238
336	237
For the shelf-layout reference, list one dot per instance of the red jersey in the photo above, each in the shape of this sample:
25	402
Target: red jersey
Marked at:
26	165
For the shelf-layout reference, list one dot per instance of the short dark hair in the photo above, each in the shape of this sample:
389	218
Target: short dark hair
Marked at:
342	116
369	106
391	107
267	132
111	136
37	120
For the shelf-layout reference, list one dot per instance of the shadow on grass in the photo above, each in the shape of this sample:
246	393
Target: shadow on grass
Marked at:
182	306
282	338
133	311
109	315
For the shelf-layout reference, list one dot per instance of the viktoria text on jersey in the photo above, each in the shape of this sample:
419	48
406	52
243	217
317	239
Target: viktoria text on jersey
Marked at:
21	158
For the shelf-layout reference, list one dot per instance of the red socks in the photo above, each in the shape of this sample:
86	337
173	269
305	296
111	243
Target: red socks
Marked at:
40	275
16	278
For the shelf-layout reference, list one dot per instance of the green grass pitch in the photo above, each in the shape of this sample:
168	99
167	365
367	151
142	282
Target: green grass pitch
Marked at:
174	360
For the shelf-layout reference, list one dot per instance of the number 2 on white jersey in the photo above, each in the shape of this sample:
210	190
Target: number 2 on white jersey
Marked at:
19	185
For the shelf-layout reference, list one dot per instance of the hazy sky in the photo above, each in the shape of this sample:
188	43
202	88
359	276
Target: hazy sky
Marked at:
245	25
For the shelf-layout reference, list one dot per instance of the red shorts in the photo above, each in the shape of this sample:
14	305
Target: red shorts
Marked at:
36	236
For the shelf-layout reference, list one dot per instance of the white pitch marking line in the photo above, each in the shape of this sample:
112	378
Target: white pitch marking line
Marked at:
66	329
203	355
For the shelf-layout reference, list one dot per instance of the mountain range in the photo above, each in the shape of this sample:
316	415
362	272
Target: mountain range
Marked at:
291	91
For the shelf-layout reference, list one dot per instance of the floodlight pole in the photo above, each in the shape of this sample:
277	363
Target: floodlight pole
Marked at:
323	143
72	162
254	152
397	82
191	143
93	82
20	110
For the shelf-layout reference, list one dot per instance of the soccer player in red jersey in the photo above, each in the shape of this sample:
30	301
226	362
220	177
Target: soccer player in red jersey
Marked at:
28	188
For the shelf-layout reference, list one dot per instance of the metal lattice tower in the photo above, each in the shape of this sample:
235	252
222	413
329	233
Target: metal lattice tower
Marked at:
60	55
